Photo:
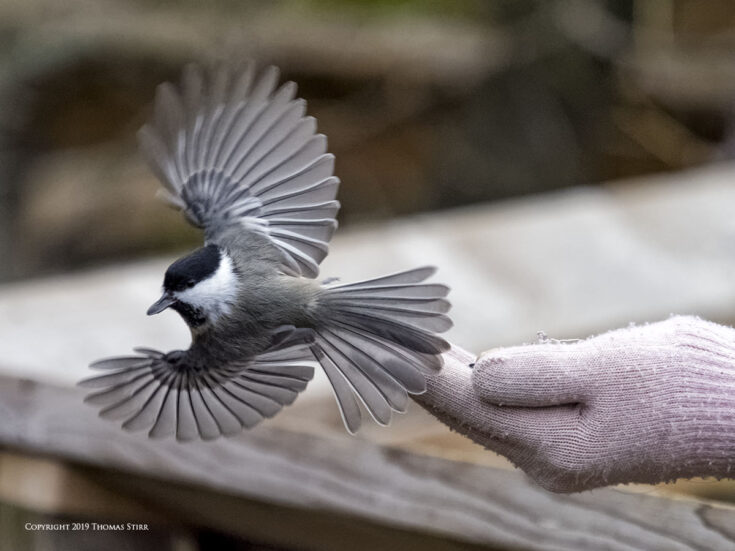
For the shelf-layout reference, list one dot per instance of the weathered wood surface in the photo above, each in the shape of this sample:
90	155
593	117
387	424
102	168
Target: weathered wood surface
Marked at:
349	476
570	263
73	491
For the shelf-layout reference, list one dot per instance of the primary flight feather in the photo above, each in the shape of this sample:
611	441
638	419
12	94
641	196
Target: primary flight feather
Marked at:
239	157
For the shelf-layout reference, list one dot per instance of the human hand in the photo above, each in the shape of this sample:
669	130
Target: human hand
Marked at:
643	404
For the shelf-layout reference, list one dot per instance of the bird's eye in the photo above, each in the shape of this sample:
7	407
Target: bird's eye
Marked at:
190	282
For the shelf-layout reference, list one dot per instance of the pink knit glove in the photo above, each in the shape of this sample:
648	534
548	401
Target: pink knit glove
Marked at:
644	404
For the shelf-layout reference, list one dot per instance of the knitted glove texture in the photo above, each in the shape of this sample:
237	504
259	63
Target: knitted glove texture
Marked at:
643	404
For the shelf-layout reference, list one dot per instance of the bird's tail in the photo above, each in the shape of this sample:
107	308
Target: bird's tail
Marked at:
376	339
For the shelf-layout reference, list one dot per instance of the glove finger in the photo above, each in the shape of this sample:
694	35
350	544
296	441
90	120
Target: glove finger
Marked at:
534	375
533	439
519	433
523	428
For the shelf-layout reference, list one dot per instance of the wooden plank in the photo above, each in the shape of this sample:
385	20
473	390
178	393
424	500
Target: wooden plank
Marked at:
569	263
45	485
308	529
624	252
45	490
356	478
15	536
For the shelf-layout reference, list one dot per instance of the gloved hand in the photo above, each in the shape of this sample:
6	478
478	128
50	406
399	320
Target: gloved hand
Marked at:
643	404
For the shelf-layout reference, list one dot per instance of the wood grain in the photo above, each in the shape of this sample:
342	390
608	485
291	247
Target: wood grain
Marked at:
303	462
382	485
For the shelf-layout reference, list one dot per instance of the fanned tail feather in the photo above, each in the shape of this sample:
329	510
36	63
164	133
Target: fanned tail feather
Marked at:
380	339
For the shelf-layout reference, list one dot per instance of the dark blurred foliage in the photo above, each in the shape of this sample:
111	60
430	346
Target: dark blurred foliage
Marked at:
427	104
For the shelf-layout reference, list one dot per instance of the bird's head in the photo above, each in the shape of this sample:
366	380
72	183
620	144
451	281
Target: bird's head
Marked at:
201	286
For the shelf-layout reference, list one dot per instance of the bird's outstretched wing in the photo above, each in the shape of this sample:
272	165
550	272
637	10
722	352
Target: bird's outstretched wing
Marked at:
161	393
231	149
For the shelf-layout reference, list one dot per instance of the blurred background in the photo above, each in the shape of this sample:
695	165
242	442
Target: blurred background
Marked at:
429	106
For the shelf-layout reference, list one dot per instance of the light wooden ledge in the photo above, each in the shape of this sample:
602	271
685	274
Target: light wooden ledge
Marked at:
571	263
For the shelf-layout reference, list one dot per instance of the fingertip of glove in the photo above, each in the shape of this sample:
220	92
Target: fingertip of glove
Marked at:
488	359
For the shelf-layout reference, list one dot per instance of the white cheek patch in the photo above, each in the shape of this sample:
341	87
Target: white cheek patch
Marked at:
214	295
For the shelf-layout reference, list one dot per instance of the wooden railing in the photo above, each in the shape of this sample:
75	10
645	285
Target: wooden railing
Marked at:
569	264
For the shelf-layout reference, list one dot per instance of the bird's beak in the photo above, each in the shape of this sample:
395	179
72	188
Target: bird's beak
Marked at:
161	304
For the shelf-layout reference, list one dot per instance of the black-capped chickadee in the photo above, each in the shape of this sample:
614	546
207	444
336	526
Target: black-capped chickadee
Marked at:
243	162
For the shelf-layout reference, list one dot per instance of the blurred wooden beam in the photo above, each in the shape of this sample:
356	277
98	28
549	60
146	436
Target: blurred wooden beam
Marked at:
430	49
353	478
681	77
44	491
46	485
57	491
569	263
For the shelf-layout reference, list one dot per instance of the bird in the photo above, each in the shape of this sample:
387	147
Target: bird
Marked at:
238	156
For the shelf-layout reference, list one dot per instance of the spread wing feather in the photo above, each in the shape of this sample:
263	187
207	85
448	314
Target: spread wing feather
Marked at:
160	393
233	150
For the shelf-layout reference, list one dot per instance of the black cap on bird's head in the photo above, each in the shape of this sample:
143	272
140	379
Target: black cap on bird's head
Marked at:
195	284
193	268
